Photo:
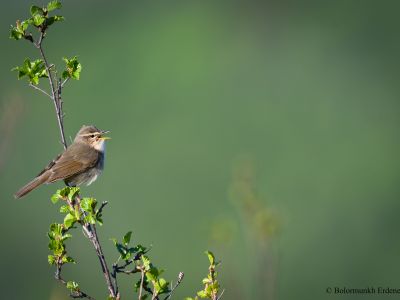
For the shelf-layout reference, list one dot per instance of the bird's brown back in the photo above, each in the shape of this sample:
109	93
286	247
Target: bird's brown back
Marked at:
78	158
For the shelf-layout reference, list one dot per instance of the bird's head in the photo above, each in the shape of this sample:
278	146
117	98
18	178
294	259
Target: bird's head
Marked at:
91	135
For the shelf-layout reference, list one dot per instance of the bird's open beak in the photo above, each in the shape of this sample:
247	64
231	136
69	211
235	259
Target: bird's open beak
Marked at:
105	137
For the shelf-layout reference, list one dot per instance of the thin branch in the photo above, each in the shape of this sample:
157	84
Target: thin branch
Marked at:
75	294
127	263
114	276
93	237
40	90
141	283
121	269
55	93
100	254
155	295
180	278
64	82
103	204
220	296
133	271
40	39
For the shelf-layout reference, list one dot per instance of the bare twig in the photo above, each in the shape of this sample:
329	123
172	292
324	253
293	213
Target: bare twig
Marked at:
59	100
116	270
39	89
220	295
147	289
128	272
93	237
64	82
141	283
103	204
54	93
75	294
100	254
155	295
114	277
121	269
180	278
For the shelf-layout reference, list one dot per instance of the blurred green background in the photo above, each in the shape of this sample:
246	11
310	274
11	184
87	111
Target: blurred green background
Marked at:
266	131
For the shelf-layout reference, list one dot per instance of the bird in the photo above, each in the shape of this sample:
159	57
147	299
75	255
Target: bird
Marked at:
81	163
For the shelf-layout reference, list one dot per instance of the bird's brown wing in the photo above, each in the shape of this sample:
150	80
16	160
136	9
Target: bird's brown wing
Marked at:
48	167
73	161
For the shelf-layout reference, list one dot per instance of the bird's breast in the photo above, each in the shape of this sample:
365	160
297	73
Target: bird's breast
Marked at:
100	146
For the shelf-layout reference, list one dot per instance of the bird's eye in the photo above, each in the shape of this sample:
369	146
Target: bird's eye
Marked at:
92	136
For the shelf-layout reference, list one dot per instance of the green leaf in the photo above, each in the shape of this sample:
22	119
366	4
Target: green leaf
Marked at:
88	204
202	294
66	236
69	220
146	262
99	220
90	219
72	285
65	209
150	275
57	247
140	249
52	244
56	229
126	256
153	273
55	199
68	259
127	238
38	20
32	69
207	281
35	80
211	257
36	10
73	191
214	286
122	250
64	191
51	20
51	259
53	5
21	72
24	25
161	286
73	68
16	34
208	290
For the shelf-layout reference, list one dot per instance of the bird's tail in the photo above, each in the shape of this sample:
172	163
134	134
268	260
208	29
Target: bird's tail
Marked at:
31	185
